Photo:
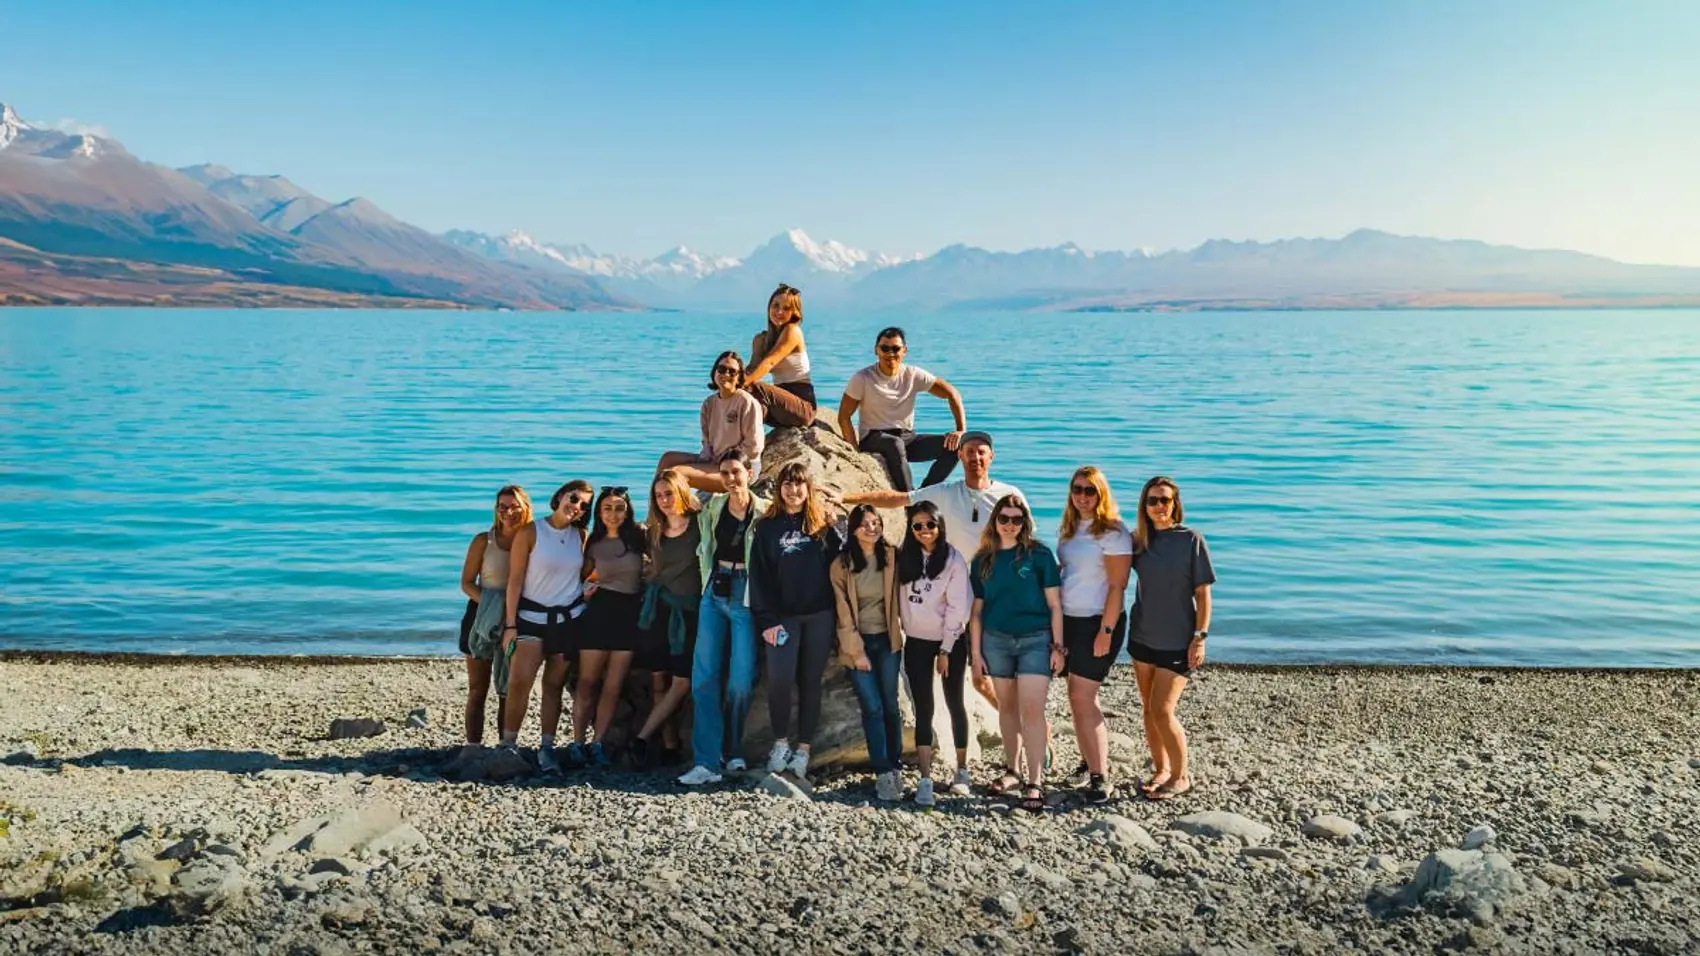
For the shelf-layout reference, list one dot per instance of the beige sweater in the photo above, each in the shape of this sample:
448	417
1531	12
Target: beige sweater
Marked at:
729	423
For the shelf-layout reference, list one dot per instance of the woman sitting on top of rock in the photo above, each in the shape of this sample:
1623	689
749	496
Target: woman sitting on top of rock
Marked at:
779	349
731	418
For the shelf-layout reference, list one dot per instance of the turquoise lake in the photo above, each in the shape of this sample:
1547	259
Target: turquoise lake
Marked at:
1398	487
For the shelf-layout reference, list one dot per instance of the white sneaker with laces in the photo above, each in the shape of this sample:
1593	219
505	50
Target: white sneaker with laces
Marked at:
799	764
888	786
961	784
778	756
924	792
698	776
736	765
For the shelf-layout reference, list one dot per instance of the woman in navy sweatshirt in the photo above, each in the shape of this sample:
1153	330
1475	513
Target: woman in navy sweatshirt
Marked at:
792	602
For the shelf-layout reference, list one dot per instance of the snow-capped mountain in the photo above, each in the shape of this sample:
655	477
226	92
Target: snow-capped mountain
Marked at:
11	125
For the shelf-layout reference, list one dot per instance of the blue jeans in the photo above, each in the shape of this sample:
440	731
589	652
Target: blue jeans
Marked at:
876	692
723	675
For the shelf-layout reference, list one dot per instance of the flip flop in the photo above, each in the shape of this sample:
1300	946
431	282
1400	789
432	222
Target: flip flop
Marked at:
1147	785
1006	781
1168	791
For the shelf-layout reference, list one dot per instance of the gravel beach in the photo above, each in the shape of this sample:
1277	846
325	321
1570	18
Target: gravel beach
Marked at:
198	805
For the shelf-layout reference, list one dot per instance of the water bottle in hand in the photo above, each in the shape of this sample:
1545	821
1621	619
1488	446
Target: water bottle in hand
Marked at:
781	636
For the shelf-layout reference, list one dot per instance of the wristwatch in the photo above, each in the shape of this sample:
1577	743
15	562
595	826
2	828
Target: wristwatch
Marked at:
1106	629
1200	635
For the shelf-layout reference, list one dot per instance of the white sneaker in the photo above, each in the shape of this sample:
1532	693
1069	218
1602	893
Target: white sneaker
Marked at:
546	762
888	787
736	765
798	764
778	756
924	792
698	776
961	785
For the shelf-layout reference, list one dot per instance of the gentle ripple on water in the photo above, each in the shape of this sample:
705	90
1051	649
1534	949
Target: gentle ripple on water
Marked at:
1493	488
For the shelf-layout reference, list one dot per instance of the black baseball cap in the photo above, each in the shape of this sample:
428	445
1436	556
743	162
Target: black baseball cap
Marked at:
974	436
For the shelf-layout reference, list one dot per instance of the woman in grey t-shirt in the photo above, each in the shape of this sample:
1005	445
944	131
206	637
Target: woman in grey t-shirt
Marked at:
1171	619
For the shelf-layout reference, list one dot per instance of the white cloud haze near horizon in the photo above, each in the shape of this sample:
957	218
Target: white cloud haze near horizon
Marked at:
1560	125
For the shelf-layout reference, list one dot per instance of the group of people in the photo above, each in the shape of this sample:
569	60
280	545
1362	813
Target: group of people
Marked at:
715	576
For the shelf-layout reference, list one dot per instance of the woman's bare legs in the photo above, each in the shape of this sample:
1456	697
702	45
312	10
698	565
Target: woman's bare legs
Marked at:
1089	729
1030	693
1145	675
528	657
477	693
696	476
1009	722
590	667
613	682
662	711
1166	687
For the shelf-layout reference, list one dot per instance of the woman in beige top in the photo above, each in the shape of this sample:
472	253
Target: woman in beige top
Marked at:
870	641
779	349
614	559
484	580
731	418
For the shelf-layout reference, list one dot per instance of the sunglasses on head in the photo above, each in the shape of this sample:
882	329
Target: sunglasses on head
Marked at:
1152	501
1083	489
1005	517
891	349
617	490
924	526
789	290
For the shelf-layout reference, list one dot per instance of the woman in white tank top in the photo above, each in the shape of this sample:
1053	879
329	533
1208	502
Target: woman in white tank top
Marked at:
545	596
779	349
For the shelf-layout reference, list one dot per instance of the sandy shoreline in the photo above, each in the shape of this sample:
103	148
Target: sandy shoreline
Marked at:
1588	780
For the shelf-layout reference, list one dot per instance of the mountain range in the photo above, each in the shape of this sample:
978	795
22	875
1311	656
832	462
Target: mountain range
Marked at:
82	221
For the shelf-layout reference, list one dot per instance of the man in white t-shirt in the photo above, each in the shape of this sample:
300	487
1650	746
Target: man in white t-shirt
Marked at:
965	504
884	393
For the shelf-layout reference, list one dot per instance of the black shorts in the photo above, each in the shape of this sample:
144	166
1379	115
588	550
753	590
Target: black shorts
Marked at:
610	622
654	654
466	626
1168	660
1079	634
559	638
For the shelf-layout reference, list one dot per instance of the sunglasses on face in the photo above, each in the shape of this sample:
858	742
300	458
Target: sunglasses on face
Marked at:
727	370
577	501
924	526
1014	519
1157	501
1084	490
507	509
891	349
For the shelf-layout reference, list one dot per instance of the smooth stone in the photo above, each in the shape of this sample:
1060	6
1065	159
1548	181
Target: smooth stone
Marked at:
1647	870
781	785
1395	818
1265	853
1381	863
1120	831
347	728
418	718
1479	837
207	886
1331	827
1217	824
1472	883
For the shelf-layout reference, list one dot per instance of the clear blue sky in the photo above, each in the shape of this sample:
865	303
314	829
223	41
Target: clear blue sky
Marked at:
905	127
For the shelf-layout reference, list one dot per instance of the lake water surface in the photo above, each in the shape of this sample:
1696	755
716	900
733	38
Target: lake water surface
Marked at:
1446	487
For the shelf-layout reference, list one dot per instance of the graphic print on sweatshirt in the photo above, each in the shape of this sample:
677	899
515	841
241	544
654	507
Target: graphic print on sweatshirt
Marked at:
918	587
793	541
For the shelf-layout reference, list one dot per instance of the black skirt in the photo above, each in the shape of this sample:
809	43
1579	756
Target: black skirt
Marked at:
610	622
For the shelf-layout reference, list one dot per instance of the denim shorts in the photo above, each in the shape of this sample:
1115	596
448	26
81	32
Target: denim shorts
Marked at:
1015	655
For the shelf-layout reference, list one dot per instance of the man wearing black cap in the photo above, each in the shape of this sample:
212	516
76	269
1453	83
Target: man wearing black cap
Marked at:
966	503
884	393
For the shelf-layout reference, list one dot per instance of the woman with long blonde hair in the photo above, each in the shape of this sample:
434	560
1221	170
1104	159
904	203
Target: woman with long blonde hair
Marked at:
1016	636
791	599
1095	550
779	350
1171	619
484	581
672	597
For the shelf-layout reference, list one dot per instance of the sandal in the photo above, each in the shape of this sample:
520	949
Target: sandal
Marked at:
1151	784
1169	790
1033	798
1006	781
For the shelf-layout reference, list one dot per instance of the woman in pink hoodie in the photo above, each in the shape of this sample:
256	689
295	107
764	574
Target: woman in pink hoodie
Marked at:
932	579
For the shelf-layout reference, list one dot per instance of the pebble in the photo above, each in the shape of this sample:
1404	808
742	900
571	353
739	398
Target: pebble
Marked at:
1647	870
1217	824
346	728
1331	827
1395	818
1120	831
1265	853
1479	836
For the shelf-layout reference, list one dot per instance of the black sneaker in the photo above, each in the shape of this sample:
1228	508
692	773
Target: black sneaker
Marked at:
1081	775
641	757
1099	790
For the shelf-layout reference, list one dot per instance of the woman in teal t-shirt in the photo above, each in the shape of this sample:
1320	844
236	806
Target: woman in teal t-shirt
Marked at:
1016	637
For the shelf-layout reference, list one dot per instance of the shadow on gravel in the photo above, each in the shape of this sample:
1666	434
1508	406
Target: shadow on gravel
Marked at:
138	917
433	765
